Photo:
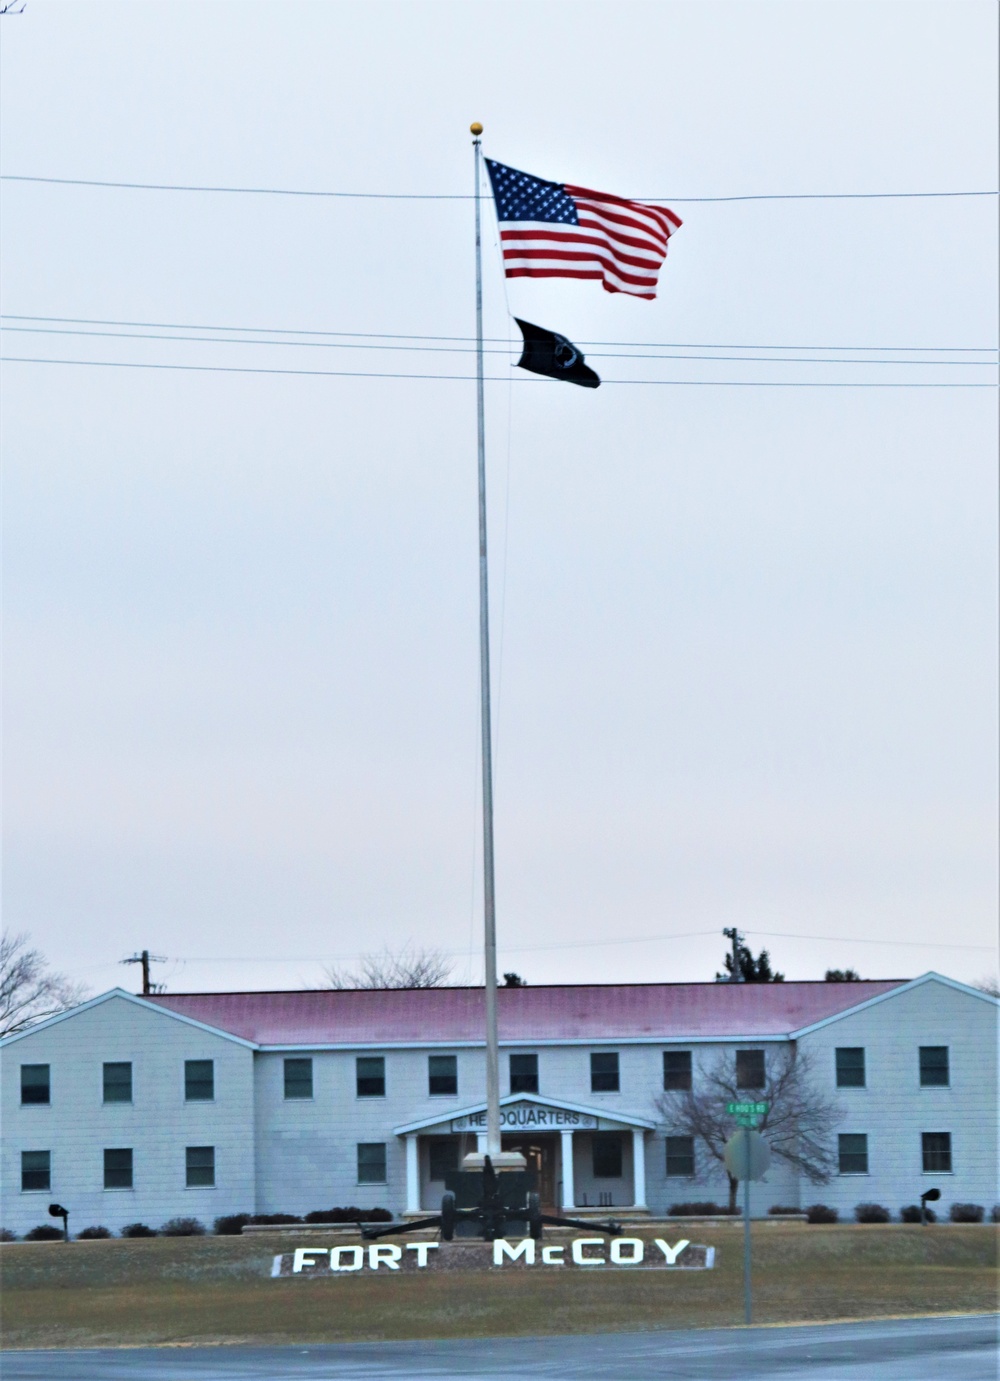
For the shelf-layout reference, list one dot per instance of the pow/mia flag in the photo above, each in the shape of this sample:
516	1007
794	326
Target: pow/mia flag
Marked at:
549	353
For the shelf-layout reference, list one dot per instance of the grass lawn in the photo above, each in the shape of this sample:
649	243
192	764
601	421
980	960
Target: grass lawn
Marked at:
218	1289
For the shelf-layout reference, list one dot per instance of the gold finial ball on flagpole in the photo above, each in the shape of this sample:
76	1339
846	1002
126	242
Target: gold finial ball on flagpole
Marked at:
476	128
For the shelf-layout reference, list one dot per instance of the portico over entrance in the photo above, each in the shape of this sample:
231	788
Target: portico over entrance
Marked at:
583	1156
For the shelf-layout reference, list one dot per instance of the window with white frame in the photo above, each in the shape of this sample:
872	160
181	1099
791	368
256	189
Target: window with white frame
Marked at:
852	1153
371	1162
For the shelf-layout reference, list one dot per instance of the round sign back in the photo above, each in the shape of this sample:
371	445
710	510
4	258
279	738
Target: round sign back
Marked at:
747	1155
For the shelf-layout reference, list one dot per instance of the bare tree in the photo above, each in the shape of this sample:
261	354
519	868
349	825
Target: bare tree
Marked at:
409	968
988	985
798	1125
29	990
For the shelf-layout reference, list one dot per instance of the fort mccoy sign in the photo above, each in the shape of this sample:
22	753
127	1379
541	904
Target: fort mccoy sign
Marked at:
579	1253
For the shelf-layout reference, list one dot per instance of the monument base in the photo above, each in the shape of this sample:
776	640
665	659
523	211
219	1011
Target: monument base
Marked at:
501	1160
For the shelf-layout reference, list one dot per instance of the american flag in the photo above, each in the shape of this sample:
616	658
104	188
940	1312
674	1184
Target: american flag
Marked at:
556	230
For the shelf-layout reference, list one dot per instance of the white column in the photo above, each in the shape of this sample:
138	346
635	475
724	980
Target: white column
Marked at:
639	1167
481	1143
412	1174
568	1191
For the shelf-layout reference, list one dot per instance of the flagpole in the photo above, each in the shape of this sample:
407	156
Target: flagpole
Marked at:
489	893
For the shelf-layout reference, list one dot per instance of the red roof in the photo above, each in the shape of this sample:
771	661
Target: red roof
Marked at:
588	1012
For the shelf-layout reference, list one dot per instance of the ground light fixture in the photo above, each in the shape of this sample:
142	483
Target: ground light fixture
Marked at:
929	1196
57	1211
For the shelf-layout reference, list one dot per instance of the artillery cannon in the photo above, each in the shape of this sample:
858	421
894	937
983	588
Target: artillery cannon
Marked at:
491	1200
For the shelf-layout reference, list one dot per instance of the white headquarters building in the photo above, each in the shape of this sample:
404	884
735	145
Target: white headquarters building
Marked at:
133	1108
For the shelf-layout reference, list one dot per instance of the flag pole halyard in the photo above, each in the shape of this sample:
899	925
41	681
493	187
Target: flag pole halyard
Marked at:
489	893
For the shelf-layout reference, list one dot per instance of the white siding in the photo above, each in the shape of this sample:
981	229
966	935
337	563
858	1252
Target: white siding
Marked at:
158	1124
295	1155
893	1110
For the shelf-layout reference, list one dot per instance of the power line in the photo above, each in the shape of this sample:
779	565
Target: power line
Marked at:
580	944
461	196
468	378
857	940
494	340
469	350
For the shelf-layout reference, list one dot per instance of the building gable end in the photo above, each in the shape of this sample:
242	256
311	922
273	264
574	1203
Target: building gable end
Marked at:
511	1099
909	987
122	995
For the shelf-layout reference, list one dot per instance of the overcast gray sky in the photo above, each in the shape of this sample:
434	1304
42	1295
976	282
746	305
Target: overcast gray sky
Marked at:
744	637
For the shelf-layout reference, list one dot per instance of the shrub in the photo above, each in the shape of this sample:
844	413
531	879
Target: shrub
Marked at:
995	1213
231	1224
783	1208
966	1213
697	1210
275	1220
872	1213
821	1213
45	1232
138	1230
911	1214
183	1227
7	1236
90	1233
348	1215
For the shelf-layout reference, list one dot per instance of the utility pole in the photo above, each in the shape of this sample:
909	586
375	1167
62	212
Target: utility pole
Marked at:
145	959
737	940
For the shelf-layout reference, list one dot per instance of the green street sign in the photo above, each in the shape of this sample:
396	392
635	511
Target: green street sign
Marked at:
747	1109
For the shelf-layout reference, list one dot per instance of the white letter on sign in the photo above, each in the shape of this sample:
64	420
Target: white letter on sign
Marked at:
384	1256
303	1257
578	1245
421	1249
337	1258
671	1253
634	1248
553	1256
525	1248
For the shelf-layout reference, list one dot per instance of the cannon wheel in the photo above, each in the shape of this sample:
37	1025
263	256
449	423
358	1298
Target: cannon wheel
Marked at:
448	1216
534	1216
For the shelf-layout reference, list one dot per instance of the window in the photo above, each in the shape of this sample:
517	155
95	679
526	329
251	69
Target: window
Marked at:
199	1080
604	1073
442	1074
933	1066
298	1078
443	1156
371	1076
118	1168
852	1153
750	1069
676	1069
680	1157
371	1162
524	1073
200	1166
607	1152
35	1084
118	1081
850	1066
36	1169
936	1147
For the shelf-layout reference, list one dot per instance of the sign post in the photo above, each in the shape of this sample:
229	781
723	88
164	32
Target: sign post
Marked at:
747	1156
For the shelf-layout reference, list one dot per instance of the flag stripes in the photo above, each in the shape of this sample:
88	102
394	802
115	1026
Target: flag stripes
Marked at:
555	230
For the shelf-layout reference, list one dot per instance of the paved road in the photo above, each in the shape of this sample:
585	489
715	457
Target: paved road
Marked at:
961	1349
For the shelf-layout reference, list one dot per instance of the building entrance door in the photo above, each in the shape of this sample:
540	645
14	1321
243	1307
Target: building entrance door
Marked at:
540	1152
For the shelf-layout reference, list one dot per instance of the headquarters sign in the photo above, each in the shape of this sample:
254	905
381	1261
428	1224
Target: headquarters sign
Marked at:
529	1117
